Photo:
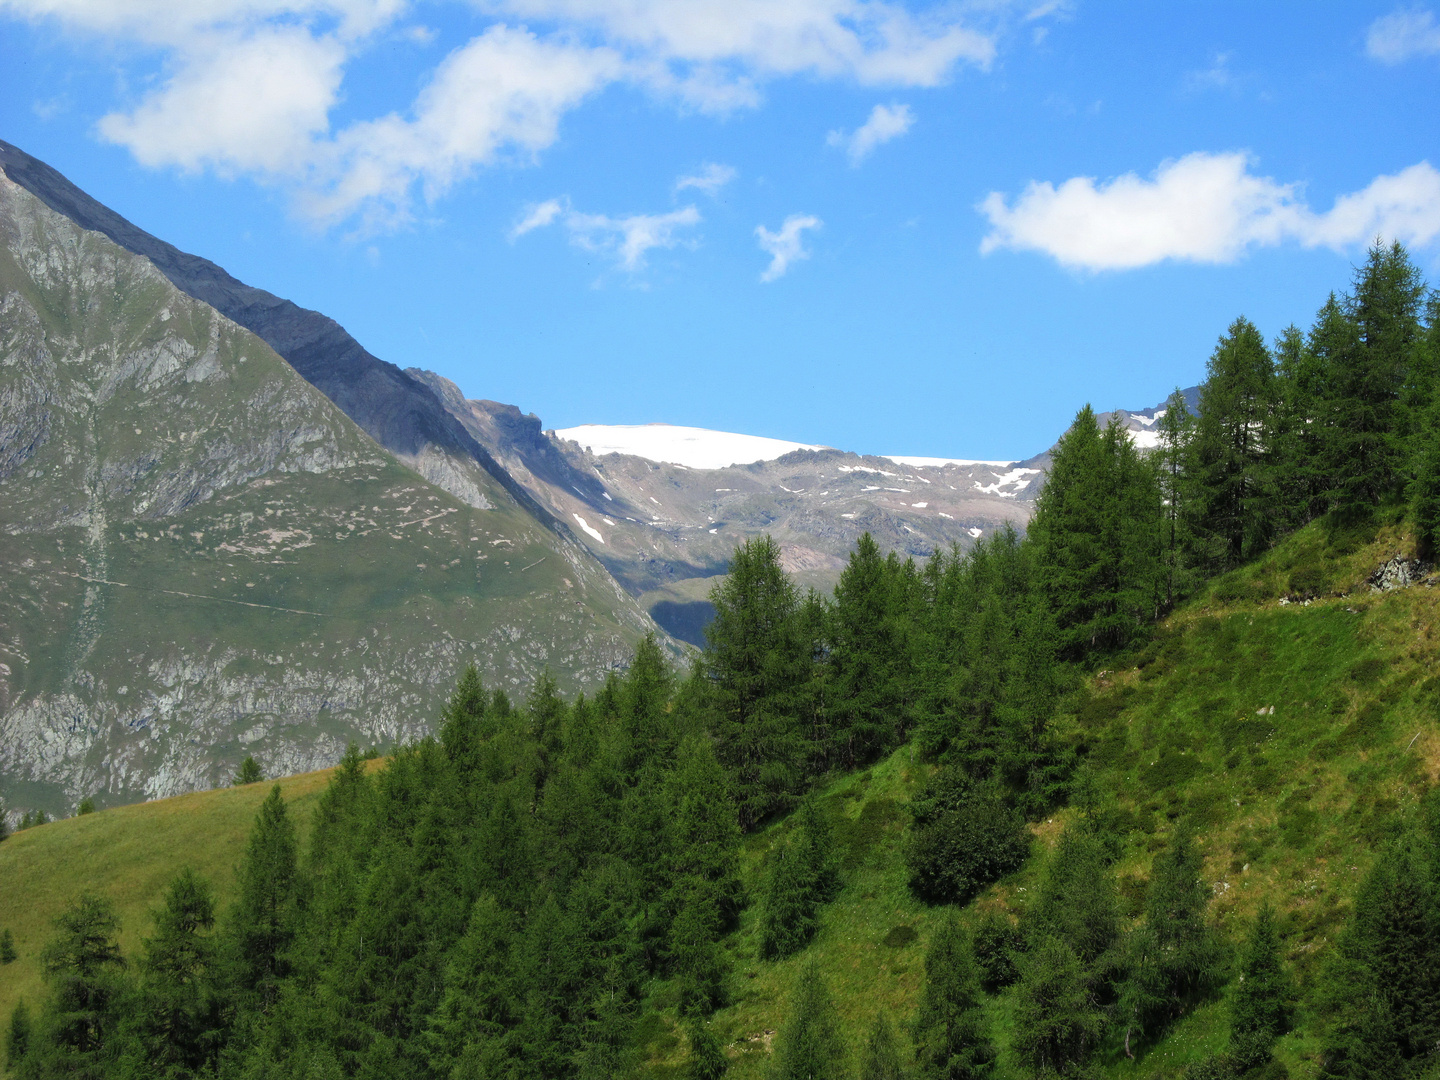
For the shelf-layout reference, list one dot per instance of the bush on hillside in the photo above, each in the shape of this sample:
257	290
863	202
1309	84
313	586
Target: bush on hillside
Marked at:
964	836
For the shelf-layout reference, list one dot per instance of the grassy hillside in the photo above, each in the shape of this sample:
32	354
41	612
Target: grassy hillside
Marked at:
128	854
1290	803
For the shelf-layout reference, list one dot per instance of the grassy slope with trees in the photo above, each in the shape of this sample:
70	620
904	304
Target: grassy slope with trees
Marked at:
1011	801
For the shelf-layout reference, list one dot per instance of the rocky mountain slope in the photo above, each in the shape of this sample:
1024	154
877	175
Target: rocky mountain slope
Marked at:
657	507
203	557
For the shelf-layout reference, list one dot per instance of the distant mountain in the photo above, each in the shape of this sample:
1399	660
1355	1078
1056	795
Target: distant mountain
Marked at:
203	557
655	504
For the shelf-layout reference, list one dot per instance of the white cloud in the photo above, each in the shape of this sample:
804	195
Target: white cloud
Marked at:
256	104
537	217
627	238
1205	208
886	122
1403	34
710	179
787	245
251	86
871	41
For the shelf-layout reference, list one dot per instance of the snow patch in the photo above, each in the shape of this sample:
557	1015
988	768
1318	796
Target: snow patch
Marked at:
1146	440
590	530
974	532
866	469
920	506
941	462
1013	477
695	448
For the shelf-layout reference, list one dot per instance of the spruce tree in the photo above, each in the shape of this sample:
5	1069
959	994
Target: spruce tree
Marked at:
707	1059
18	1036
83	966
1262	1003
881	1058
1056	1022
1176	956
249	772
809	1046
477	1007
263	921
1233	513
757	661
952	1036
1076	901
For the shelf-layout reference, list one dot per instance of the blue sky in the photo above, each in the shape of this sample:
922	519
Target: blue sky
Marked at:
918	228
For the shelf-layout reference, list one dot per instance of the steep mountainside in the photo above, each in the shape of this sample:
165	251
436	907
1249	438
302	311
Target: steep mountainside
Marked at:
203	557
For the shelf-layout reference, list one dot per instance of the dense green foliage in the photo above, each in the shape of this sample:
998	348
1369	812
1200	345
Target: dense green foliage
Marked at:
523	896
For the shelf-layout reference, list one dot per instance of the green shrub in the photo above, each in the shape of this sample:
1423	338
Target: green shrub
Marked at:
997	942
965	835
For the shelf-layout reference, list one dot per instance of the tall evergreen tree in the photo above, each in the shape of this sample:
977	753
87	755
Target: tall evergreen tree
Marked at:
18	1036
1262	1003
757	659
83	966
463	725
1364	421
1176	956
173	1023
952	1036
881	1058
263	921
1229	455
866	648
809	1046
1056	1022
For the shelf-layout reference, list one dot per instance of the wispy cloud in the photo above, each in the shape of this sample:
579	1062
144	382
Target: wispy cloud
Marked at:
1218	76
787	245
709	180
1402	35
1203	208
627	239
886	122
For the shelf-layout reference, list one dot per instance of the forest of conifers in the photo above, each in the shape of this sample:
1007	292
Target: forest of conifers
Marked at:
497	901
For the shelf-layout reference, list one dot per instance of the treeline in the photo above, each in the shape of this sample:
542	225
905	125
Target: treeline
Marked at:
1334	421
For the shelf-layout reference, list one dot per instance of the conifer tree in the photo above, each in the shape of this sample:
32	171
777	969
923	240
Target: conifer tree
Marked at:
1176	428
757	659
1229	454
1423	490
83	966
1261	1006
648	728
809	1046
463	728
263	922
477	1007
952	1037
865	652
787	903
18	1036
1295	451
1175	957
1367	422
881	1058
7	946
702	831
1076	901
707	1059
249	772
1056	1022
172	1025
